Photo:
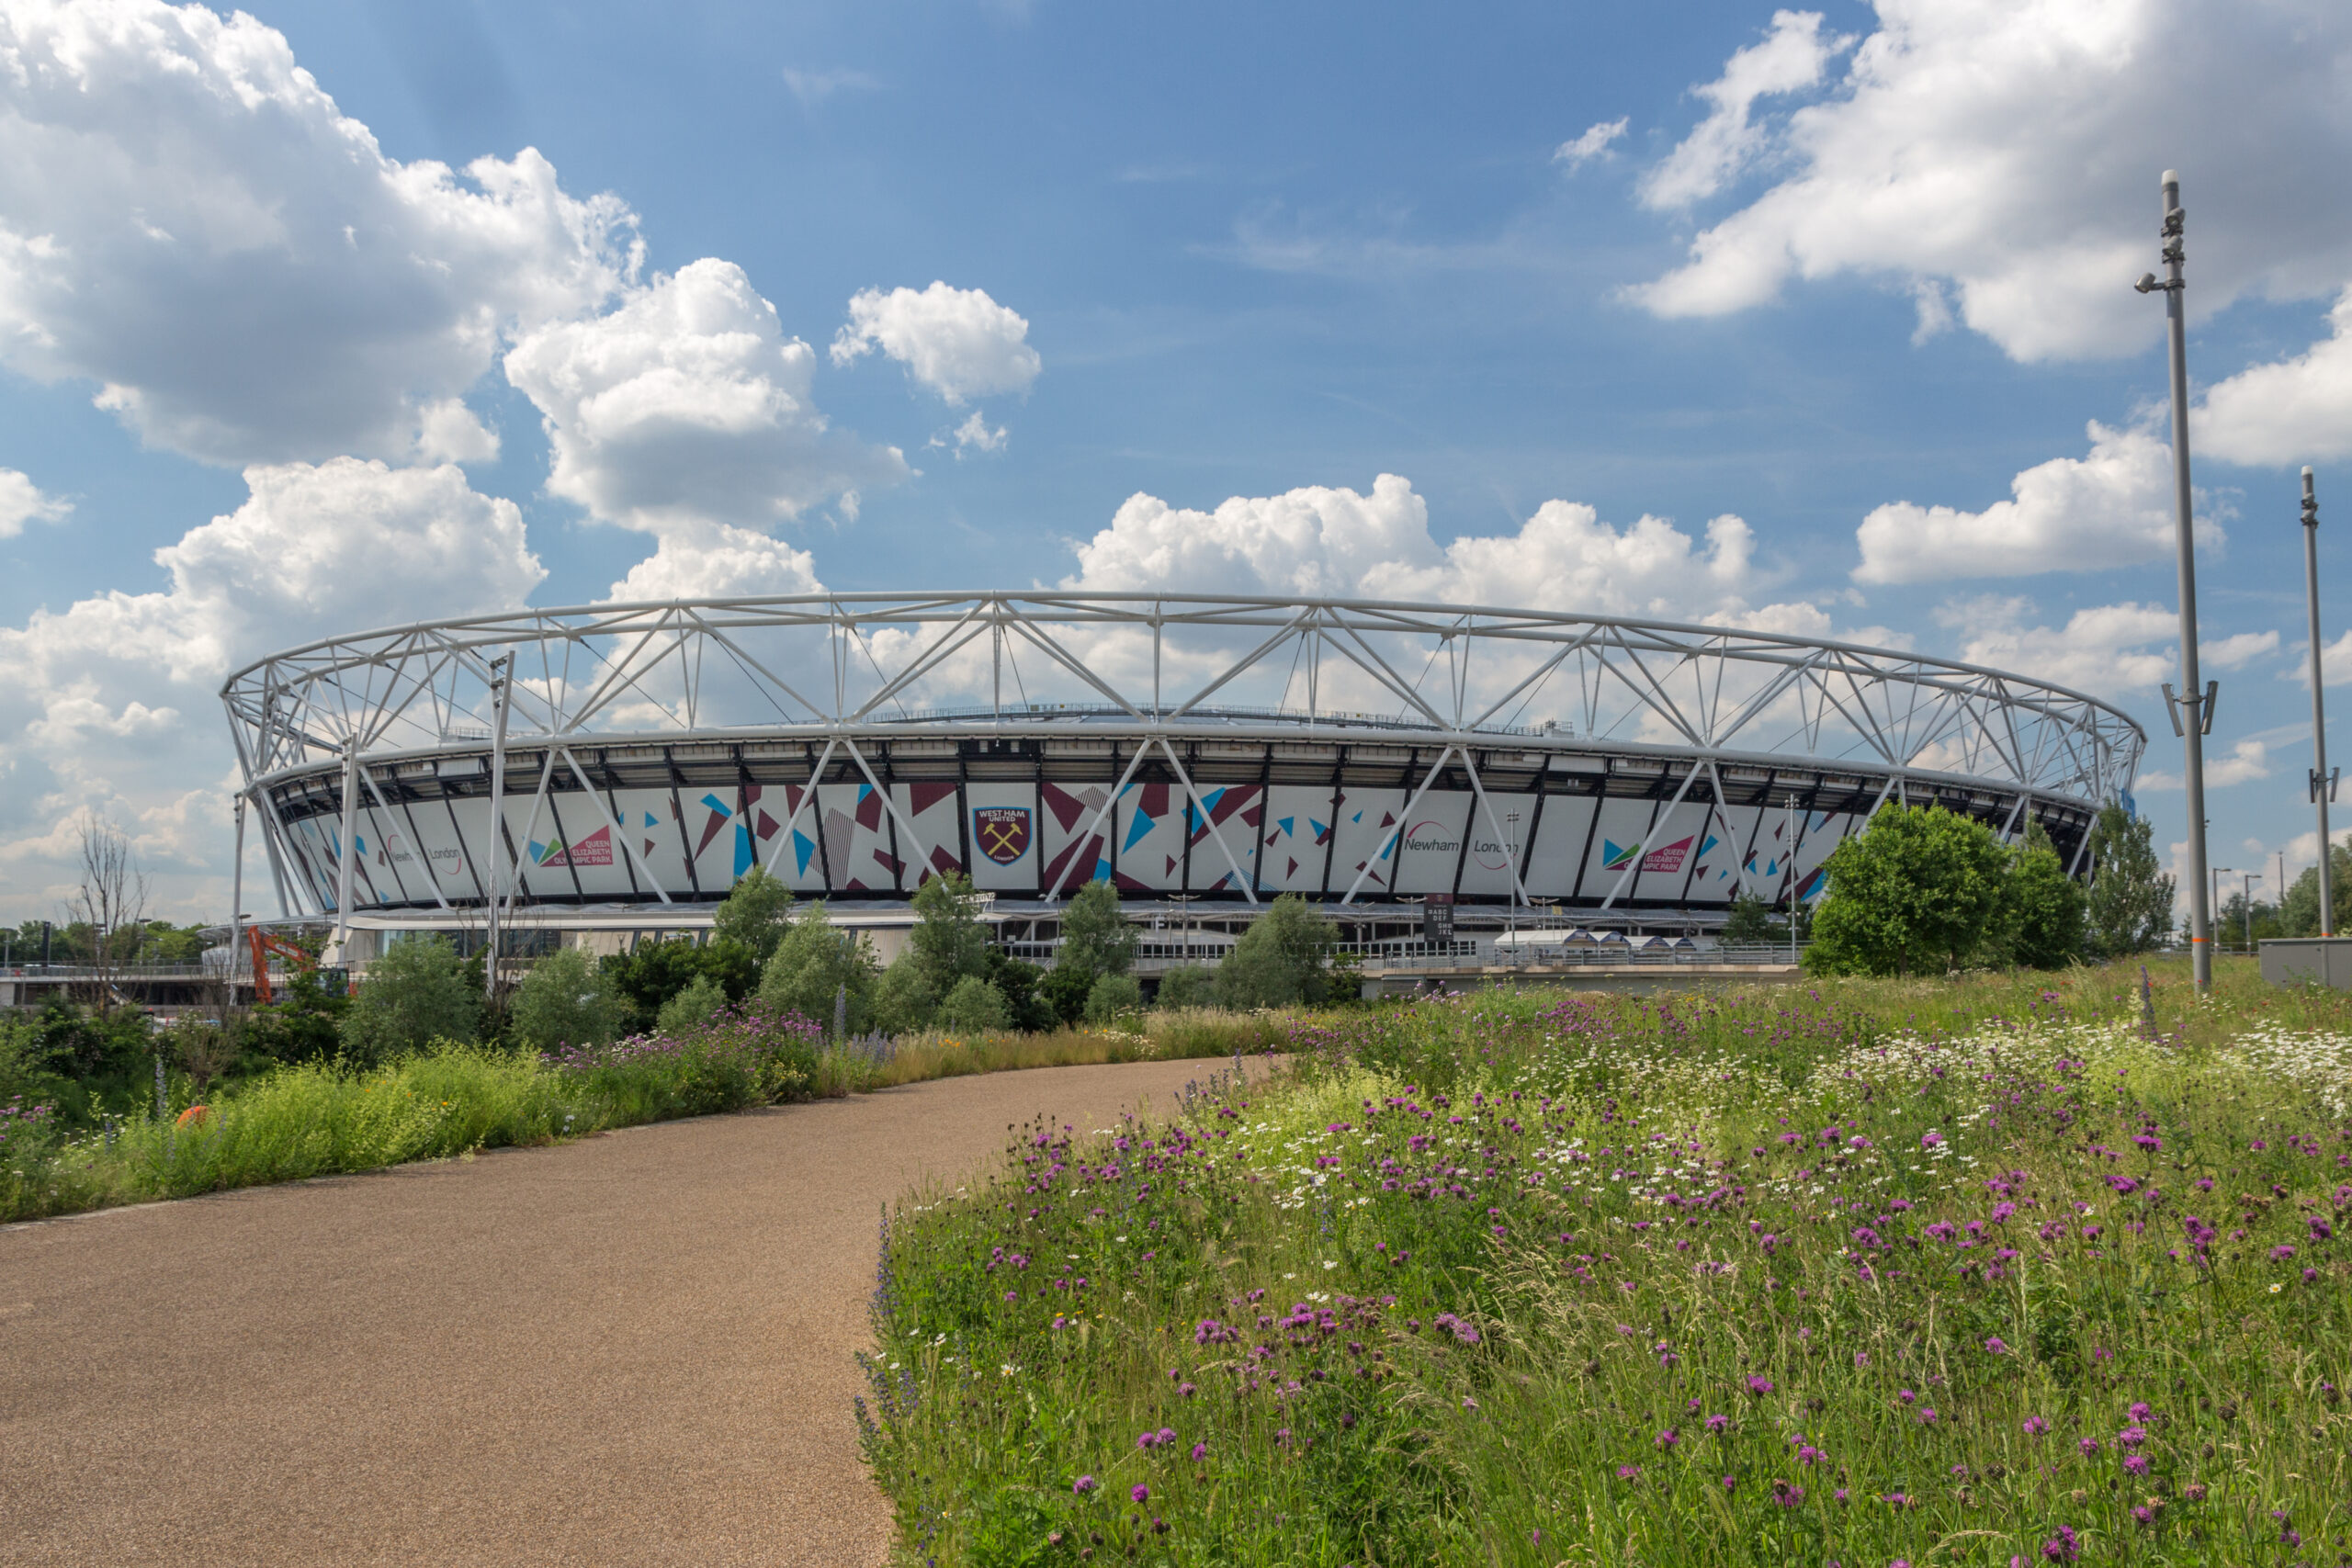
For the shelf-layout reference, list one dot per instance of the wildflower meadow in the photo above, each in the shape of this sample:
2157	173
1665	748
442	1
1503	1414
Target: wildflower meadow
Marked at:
1997	1272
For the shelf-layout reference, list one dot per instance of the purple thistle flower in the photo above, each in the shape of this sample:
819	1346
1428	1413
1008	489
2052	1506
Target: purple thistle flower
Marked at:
1083	1486
1140	1493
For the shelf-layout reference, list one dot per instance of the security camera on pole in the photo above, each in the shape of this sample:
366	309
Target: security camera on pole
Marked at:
2322	777
2198	700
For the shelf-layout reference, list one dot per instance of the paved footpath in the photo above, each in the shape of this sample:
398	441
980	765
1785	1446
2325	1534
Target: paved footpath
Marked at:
635	1349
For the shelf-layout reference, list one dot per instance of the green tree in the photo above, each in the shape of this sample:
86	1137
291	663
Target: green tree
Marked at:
974	1005
566	999
1095	934
691	1007
949	941
756	914
1064	990
1750	925
660	970
1187	985
903	1000
2041	920
2299	916
1913	893
816	962
416	993
1020	980
303	1023
2131	897
1115	996
1284	959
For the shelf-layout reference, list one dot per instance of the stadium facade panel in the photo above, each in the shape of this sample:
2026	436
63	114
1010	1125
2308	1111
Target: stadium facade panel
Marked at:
1225	749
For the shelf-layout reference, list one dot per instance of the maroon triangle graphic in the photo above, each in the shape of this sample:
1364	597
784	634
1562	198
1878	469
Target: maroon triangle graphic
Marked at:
1293	867
1388	819
1171	863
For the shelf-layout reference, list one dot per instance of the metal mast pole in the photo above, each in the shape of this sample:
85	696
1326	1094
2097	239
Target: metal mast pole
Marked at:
237	903
344	851
2323	782
501	671
2194	696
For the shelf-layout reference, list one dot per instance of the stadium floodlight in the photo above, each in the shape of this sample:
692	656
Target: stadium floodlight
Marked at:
2199	704
2322	780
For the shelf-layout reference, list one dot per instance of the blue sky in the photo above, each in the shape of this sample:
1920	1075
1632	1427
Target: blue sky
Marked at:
1248	251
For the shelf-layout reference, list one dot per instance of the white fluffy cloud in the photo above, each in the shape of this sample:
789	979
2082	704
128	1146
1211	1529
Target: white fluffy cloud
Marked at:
957	342
112	701
21	502
2009	149
716	561
2111	508
2297	409
686	407
189	222
1327	541
2110	650
2245	761
1577	152
1792	57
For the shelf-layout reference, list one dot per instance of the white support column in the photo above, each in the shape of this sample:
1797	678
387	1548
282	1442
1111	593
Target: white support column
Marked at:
1096	820
1214	832
431	878
1511	851
807	798
1397	832
502	676
620	834
547	772
888	804
1633	867
237	901
342	853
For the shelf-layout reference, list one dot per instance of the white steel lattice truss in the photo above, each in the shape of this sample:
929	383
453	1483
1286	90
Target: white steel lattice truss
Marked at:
327	734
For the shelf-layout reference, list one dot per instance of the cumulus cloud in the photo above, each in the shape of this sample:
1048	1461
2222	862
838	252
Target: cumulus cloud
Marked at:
1327	541
2009	149
1577	152
2111	508
1792	57
2296	410
2235	652
21	502
189	222
957	342
2247	761
813	85
715	561
111	704
974	436
686	407
2108	650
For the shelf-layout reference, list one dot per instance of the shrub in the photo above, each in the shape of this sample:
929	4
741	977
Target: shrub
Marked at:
690	1008
1281	960
566	999
417	992
1020	980
1064	991
734	1058
755	916
974	1005
814	962
1913	893
903	1000
2042	908
1115	996
1187	985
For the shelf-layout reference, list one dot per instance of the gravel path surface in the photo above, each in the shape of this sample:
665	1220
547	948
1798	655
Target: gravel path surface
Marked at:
635	1349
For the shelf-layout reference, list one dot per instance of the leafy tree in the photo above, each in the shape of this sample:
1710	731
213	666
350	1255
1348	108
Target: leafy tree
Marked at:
1913	893
2131	897
692	1006
416	993
903	1000
1187	985
1064	990
1020	980
816	962
1115	996
1750	925
1281	960
2041	923
974	1005
949	941
756	914
1095	935
567	999
660	970
2300	915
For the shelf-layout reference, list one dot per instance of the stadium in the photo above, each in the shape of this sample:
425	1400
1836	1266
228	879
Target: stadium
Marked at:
601	774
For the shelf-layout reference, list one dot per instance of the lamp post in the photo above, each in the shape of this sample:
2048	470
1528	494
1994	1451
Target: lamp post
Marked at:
2322	780
1511	860
2218	872
2245	905
1788	832
2195	699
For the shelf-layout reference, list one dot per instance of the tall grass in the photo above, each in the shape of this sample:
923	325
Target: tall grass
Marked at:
327	1118
1978	1272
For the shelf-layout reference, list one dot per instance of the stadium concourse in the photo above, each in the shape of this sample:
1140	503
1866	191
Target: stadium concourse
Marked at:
1430	774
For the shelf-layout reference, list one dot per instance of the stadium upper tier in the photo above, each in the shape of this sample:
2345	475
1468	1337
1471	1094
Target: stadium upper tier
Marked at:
1354	752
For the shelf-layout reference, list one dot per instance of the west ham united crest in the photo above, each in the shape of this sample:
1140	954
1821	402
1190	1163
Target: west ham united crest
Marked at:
1001	831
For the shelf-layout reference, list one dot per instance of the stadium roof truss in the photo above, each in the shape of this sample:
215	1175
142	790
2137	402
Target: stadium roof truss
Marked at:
852	669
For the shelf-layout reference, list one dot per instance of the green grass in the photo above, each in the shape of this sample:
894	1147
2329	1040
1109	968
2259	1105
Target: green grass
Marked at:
1537	1279
326	1118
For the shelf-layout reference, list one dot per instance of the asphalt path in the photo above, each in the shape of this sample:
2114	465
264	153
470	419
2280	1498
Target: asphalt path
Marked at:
632	1349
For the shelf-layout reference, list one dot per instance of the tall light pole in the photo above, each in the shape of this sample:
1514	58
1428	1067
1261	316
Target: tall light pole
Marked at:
2322	780
1511	862
2245	905
2217	873
502	673
2196	698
